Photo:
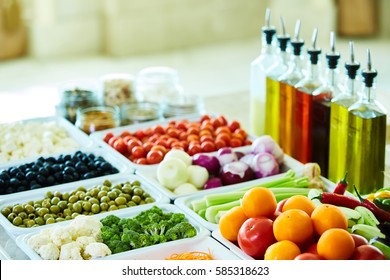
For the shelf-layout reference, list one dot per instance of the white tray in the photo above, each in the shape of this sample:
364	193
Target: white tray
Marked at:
114	160
230	245
76	134
21	240
98	136
151	175
24	197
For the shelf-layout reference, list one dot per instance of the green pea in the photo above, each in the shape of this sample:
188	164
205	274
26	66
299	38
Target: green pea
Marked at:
118	192
127	196
112	208
37	205
149	200
136	198
46	204
17	221
80	194
48	216
94	201
6	211
55	209
87	206
50	220
105	188
73	198
81	189
60	215
11	217
31	203
118	187
17	209
39	221
94	192
74	215
22	215
120	201
104	206
101	194
111	202
95	208
58	194
29	209
127	190
67	212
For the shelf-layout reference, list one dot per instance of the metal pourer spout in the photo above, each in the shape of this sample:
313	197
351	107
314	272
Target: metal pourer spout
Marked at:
352	66
284	38
370	73
268	30
297	43
333	56
313	52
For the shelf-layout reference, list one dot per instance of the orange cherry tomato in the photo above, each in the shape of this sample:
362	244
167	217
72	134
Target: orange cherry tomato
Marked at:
224	129
154	157
238	135
132	143
220	143
242	132
192	137
160	148
173	132
204	132
205	138
236	142
194	148
207	146
141	160
205	118
193	130
162	142
222	120
138	152
224	136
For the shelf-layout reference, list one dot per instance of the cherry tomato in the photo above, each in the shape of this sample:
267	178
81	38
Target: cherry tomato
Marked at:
173	132
238	135
235	142
193	130
147	146
242	132
205	138
194	148
141	160
108	136
224	136
158	129
204	118
182	125
204	132
234	125
225	129
133	143
207	146
125	133
183	135
162	142
138	152
222	120
160	148
120	146
128	138
220	143
154	157
112	140
247	142
148	132
192	137
140	134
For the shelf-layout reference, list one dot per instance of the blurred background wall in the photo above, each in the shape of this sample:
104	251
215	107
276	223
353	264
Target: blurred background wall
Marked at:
52	28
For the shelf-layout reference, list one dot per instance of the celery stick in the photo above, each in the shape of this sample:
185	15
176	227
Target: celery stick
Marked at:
219	215
202	213
289	176
212	211
281	196
219	198
199	204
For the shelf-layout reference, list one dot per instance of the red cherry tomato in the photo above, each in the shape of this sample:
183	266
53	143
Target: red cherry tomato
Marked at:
133	143
207	146
112	140
138	152
205	118
235	142
120	146
160	148
108	136
141	160
205	138
125	133
158	129
234	125
220	143
194	148
140	134
154	157
147	146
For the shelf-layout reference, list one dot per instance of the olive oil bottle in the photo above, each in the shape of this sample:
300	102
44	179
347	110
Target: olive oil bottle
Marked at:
337	165
259	68
366	137
322	98
303	105
287	84
273	87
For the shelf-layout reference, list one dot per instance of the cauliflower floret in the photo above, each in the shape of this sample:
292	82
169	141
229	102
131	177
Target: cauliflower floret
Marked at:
87	226
96	250
49	251
61	235
38	240
83	241
70	251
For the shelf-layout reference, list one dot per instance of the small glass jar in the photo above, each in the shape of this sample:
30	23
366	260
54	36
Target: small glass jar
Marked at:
139	112
181	104
118	89
154	83
74	95
97	118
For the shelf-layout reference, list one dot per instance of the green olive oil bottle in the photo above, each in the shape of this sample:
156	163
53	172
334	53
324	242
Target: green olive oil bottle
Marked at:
366	137
337	165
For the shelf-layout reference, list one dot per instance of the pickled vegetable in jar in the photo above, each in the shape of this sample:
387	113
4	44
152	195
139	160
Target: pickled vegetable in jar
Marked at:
139	112
97	118
118	89
75	95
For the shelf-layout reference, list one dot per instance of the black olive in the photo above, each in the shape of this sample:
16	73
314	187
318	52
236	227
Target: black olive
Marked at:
88	175
91	156
55	168
51	160
14	183
31	175
69	163
9	190
43	171
68	178
76	176
41	179
35	186
3	184
20	176
82	169
69	170
106	166
50	180
4	175
21	189
60	159
67	157
58	176
24	183
13	171
35	168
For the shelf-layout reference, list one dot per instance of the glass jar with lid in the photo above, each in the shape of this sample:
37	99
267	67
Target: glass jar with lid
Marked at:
139	112
96	118
182	104
154	83
117	89
76	94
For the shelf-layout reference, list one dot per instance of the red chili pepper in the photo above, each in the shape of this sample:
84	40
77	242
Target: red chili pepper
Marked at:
339	200
382	215
342	185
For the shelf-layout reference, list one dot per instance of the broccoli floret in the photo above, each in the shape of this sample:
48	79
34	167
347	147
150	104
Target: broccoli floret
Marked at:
136	239
109	233
110	220
175	218
152	215
117	246
181	230
129	223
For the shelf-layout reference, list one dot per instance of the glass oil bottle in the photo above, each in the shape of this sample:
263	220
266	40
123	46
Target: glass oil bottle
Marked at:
259	67
339	119
273	87
322	98
303	106
287	84
367	137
